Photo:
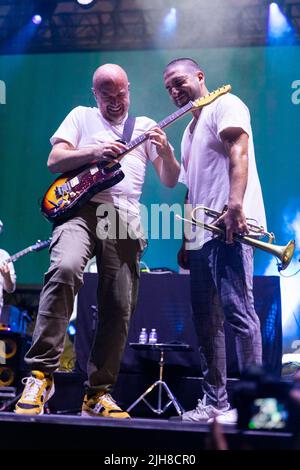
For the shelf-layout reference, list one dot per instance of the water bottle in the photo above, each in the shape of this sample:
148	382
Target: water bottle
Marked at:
143	337
153	336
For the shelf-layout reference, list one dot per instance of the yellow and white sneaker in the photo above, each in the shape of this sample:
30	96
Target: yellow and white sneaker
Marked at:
38	389
102	405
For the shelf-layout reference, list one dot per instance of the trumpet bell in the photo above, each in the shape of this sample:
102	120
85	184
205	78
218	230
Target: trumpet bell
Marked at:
283	253
287	254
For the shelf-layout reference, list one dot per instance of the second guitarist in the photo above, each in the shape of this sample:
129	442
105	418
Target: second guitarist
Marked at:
89	135
7	274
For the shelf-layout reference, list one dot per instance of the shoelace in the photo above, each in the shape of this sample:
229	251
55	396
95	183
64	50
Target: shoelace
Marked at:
32	388
109	399
200	406
202	409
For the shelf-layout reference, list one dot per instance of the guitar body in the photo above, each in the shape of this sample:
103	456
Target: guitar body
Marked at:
72	189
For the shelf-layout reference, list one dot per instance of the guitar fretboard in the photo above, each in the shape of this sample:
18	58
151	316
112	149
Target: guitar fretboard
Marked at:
37	247
162	124
18	255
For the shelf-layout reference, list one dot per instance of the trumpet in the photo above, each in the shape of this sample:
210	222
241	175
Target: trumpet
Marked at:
283	253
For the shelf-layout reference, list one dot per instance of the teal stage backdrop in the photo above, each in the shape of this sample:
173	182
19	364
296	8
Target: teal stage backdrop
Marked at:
37	91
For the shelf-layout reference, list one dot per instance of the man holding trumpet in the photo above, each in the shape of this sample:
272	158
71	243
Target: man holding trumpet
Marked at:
219	169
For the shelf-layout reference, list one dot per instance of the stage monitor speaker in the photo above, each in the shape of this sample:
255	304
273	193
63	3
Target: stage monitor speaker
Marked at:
13	347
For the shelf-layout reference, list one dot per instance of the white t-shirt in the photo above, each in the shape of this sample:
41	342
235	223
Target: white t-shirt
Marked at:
4	256
205	164
84	127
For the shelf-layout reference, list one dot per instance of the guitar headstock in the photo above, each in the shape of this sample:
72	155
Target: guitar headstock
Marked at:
40	245
205	100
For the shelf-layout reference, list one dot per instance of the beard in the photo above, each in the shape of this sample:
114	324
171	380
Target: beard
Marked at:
115	114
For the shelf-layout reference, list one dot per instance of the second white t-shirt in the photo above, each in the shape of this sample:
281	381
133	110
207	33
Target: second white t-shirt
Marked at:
205	164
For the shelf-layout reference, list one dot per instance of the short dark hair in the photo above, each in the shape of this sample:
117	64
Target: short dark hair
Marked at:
186	61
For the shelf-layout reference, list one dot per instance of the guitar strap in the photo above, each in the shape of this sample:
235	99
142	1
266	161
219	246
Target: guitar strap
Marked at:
128	129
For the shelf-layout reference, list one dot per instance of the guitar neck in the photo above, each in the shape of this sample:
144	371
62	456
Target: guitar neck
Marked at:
37	247
199	103
18	255
162	124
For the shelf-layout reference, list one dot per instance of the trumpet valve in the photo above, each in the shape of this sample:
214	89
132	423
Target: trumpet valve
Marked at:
271	236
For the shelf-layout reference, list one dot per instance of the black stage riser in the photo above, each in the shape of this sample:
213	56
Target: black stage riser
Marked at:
107	437
164	303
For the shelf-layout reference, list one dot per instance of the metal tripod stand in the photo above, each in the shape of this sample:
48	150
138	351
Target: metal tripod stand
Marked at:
161	384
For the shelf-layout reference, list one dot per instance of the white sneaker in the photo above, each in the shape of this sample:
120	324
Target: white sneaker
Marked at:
202	413
226	417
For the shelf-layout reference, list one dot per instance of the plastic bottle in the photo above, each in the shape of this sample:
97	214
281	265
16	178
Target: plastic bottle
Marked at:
153	336
143	337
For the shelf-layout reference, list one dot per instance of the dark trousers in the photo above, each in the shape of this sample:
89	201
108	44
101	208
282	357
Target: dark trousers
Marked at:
222	288
74	242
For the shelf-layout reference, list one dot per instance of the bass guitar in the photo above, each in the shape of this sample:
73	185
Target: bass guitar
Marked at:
72	189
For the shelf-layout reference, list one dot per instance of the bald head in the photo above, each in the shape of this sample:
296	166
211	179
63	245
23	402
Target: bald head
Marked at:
111	90
109	73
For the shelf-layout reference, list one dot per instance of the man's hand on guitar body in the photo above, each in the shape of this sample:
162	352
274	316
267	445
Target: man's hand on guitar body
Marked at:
108	151
65	157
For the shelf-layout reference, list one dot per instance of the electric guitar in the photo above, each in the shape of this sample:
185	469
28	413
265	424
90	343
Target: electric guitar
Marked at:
39	245
72	189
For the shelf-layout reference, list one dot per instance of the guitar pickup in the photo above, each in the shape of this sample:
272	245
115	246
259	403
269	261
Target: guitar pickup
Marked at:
74	182
94	169
109	169
59	191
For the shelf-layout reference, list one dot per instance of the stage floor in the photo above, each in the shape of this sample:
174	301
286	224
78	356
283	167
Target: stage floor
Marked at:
125	437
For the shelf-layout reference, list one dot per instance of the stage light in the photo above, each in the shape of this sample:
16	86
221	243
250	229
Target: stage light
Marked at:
71	329
37	19
279	27
86	3
170	21
43	10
